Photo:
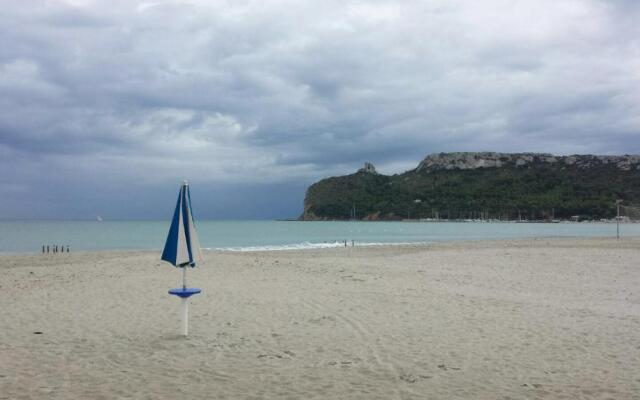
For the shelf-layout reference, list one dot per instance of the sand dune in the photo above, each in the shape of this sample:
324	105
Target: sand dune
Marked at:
526	319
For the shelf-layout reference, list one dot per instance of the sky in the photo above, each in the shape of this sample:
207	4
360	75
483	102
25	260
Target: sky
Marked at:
107	106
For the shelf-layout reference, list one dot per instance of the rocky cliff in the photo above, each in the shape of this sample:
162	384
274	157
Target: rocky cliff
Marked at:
481	185
463	161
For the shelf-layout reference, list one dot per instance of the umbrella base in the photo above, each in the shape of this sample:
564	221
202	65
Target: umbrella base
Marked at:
184	292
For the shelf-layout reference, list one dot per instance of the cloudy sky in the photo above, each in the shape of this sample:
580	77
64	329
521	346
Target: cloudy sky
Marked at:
106	106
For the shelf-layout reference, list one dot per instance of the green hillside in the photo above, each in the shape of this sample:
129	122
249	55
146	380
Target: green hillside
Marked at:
453	186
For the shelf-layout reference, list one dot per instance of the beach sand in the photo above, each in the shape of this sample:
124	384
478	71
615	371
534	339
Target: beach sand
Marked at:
522	319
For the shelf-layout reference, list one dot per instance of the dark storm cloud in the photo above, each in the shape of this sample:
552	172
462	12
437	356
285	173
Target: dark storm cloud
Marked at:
98	94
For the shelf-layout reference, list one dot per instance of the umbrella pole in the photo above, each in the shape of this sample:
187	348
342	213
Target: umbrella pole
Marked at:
185	304
185	316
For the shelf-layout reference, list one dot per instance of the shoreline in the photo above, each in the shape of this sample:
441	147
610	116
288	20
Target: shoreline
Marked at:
268	235
463	243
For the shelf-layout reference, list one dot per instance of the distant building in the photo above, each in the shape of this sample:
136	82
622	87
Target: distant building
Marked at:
368	168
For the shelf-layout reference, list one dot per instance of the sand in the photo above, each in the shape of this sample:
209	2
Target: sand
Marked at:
524	319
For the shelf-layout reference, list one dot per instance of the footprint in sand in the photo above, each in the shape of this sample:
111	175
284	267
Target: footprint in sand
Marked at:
286	355
445	368
408	378
342	363
321	320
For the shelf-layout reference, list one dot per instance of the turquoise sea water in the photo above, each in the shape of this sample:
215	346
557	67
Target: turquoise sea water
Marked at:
29	236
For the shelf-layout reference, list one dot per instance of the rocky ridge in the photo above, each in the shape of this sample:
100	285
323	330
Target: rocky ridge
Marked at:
474	160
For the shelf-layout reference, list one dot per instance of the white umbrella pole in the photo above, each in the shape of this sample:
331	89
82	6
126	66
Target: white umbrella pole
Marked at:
185	316
185	304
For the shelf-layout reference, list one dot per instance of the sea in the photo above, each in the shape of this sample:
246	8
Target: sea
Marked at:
30	236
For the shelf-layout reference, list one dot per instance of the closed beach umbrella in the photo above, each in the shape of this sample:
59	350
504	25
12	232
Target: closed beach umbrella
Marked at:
182	247
182	250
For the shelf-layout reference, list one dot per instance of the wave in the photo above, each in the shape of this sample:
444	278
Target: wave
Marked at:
310	245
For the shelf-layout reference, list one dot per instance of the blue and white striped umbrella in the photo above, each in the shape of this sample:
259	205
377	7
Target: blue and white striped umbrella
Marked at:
182	247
